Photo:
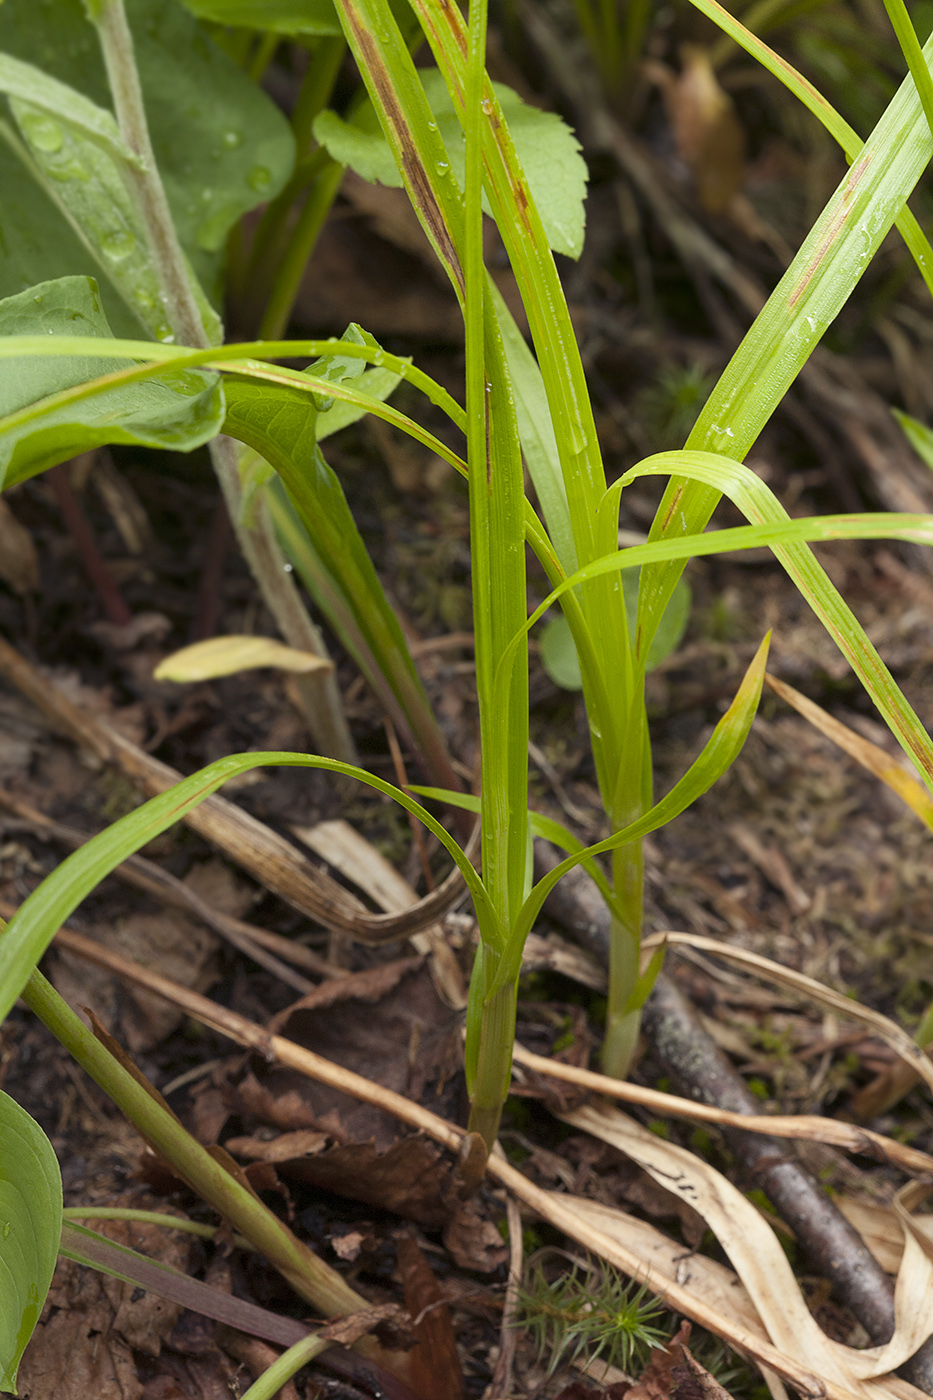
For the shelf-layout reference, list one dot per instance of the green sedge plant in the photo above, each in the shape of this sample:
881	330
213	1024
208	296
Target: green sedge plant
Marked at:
70	390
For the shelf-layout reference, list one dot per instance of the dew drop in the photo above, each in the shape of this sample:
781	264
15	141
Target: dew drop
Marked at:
442	167
118	244
258	178
67	169
42	132
232	140
7	1227
144	301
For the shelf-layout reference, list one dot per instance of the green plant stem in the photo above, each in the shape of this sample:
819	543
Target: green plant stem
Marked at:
116	43
301	245
287	1365
494	1064
316	88
265	52
311	1278
319	695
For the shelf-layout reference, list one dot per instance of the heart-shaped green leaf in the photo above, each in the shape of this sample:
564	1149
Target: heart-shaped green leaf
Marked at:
30	1229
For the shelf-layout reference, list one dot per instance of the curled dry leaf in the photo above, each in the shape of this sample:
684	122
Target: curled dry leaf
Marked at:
761	1263
224	656
709	136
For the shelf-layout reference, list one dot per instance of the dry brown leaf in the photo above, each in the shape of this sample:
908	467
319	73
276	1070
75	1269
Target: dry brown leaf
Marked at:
19	562
889	1031
706	129
179	946
357	859
762	1264
435	1362
91	1325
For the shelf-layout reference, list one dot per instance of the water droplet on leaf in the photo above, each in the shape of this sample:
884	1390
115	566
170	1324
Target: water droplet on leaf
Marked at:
232	139
42	132
118	244
258	178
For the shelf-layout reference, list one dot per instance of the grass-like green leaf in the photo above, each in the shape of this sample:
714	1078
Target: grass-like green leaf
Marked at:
717	755
830	262
30	1228
176	409
558	649
918	435
32	928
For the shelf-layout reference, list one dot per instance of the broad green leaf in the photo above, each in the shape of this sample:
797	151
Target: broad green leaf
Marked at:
275	16
221	144
30	1229
42	913
280	425
377	383
87	187
918	435
559	654
180	409
54	103
548	149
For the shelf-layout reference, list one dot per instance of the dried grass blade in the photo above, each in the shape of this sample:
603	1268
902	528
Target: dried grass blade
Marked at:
869	755
760	1261
886	1030
810	1127
571	1216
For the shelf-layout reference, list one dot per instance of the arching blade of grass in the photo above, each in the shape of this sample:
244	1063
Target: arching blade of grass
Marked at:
806	300
29	932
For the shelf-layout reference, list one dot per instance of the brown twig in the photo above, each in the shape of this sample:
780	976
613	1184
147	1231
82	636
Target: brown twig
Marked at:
694	1061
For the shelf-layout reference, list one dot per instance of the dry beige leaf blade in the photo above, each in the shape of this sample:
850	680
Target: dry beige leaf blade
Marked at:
342	846
760	1261
225	656
892	1034
562	1211
869	755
